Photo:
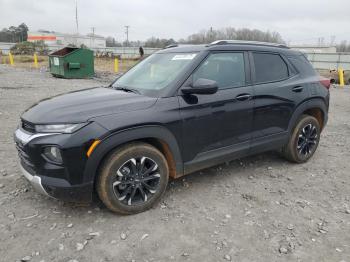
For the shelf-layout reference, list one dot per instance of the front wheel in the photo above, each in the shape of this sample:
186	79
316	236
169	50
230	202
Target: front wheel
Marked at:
303	141
133	178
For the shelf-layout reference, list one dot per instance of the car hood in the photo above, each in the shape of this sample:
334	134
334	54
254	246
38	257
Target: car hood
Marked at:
80	106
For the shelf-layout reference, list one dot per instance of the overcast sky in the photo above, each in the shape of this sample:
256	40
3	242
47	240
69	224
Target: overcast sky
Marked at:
298	21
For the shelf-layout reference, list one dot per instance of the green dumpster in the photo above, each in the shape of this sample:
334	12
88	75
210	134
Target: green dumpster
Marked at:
72	62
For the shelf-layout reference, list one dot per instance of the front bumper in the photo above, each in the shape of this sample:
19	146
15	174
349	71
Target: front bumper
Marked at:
64	181
59	188
34	180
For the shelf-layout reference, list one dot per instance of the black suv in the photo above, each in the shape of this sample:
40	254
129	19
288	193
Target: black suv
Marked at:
181	109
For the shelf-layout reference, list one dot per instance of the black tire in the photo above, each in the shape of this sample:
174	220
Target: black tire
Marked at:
303	144
126	169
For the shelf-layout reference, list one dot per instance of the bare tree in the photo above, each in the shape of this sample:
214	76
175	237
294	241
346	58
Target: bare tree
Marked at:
343	46
230	33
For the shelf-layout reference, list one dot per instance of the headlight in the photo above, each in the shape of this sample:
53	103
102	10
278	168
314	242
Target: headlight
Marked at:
53	153
59	128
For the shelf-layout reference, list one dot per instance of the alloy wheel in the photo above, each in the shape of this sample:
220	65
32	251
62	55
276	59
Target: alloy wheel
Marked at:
307	140
136	181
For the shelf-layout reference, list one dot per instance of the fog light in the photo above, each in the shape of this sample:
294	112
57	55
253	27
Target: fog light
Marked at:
53	153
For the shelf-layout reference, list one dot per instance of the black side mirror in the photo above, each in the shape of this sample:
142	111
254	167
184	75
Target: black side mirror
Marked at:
201	86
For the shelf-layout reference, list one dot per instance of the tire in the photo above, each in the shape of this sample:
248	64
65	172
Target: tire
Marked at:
303	141
132	178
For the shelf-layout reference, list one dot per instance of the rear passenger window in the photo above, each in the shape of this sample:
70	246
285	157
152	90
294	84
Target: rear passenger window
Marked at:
227	69
269	68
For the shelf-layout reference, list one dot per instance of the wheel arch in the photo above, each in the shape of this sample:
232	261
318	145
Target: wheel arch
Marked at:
157	136
315	107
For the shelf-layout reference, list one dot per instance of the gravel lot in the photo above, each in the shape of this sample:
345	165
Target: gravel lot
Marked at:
259	208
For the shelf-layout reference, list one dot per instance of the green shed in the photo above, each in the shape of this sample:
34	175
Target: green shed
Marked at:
72	62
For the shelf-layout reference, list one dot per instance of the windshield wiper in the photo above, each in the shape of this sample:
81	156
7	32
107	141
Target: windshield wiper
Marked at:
128	89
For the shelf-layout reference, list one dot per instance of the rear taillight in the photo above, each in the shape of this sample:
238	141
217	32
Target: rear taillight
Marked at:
325	82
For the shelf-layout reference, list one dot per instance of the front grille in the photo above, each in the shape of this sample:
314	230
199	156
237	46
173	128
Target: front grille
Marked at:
27	126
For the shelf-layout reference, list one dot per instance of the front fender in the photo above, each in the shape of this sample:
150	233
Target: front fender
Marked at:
128	135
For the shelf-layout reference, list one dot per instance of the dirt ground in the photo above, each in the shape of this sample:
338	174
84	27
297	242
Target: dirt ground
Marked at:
259	208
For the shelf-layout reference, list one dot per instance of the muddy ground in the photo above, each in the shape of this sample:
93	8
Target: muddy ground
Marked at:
259	208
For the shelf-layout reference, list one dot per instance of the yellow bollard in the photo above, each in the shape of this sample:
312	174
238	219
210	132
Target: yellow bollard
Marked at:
35	60
341	76
116	65
11	59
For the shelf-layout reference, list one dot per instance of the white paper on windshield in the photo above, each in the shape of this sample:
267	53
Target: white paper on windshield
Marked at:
184	57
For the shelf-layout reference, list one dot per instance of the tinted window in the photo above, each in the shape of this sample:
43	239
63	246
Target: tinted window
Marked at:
302	64
269	67
227	69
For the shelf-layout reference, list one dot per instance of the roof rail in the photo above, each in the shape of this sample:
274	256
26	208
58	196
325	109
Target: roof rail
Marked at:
170	46
242	42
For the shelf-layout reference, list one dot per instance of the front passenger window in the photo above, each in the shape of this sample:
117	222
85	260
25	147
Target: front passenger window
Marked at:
227	69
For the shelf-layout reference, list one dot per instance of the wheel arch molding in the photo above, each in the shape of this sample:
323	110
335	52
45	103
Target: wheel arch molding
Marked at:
308	106
167	144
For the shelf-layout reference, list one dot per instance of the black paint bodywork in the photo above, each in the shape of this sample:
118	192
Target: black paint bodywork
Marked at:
200	130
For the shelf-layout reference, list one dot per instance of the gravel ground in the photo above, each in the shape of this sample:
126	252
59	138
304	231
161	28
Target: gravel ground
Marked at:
259	208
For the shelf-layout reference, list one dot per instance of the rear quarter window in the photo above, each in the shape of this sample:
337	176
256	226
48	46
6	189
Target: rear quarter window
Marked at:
302	64
269	68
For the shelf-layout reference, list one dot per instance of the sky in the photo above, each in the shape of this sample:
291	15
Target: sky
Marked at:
298	21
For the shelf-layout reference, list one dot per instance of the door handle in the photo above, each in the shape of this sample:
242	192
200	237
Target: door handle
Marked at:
297	89
243	97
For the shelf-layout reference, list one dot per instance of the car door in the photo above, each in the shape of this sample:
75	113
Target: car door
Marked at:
220	123
277	92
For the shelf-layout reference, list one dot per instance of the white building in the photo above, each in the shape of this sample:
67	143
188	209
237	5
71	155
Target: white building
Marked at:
314	49
59	39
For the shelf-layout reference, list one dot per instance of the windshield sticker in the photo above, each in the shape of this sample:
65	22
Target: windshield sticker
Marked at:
184	57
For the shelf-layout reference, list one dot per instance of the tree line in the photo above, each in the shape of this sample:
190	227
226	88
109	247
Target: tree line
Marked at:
14	34
205	37
228	33
344	46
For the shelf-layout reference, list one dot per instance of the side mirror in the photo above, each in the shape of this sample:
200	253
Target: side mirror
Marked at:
201	86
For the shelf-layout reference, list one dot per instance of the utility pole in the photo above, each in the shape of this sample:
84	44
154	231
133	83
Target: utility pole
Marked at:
332	40
76	15
93	37
127	34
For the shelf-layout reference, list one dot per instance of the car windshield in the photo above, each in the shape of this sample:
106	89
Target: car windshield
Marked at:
154	73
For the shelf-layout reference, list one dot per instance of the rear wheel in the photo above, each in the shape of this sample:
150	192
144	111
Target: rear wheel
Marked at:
133	178
303	141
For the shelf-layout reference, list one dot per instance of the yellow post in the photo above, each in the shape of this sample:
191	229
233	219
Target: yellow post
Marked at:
341	76
35	60
116	65
11	59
